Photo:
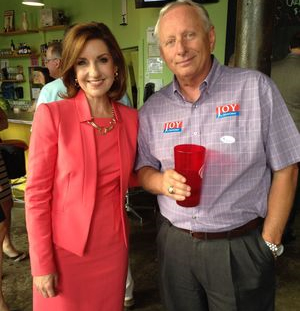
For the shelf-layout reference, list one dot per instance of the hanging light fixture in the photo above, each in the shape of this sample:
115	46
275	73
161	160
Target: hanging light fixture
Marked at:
33	2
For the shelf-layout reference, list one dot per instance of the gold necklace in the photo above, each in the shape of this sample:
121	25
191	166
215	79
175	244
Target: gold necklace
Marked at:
102	129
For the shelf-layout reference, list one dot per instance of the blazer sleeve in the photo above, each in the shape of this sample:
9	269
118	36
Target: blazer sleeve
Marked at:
38	195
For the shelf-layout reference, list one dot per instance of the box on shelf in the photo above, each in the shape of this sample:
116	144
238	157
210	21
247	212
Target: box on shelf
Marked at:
49	17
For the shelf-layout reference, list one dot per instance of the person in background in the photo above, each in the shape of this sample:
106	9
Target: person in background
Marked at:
6	202
3	306
81	155
129	287
220	254
54	90
285	73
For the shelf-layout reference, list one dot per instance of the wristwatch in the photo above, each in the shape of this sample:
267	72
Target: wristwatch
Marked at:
277	250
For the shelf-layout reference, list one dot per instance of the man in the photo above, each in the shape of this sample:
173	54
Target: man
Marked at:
52	91
285	73
219	255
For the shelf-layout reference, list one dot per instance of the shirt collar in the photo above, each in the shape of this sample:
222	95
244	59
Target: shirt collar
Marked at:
207	83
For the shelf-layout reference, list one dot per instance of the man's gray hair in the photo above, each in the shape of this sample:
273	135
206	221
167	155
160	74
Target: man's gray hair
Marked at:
203	14
56	49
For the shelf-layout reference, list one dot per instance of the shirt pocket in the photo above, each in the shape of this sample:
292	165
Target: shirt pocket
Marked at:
233	144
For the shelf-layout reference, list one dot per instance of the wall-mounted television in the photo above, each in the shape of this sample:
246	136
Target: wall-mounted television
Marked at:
160	3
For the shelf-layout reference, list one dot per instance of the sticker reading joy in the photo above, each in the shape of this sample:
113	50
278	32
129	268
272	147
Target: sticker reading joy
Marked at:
173	126
228	110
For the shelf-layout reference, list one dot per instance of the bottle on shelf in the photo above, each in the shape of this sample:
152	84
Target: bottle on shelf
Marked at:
20	48
24	21
12	46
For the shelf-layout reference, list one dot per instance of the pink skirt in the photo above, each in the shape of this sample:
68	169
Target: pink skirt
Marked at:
95	281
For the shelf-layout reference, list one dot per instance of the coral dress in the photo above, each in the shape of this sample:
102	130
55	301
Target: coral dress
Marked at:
95	281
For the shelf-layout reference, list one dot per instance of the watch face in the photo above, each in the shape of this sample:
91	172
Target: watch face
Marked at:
280	249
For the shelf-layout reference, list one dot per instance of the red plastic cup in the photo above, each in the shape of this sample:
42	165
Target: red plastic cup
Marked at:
189	162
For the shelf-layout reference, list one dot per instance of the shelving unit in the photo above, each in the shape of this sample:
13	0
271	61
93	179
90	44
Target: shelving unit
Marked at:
18	56
53	28
13	81
18	32
26	60
32	31
24	32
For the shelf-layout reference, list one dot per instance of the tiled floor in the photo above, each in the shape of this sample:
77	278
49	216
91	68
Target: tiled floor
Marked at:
17	280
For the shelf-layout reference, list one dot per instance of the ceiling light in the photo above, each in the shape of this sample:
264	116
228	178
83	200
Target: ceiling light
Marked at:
33	2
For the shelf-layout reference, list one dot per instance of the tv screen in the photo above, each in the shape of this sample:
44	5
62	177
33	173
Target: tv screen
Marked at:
160	3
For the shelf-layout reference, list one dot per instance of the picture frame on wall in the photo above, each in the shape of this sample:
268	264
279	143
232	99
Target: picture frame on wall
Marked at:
9	20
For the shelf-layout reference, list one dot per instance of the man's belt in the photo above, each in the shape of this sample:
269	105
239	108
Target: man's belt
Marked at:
234	233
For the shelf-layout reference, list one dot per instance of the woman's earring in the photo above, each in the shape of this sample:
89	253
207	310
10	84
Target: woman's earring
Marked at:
76	83
116	75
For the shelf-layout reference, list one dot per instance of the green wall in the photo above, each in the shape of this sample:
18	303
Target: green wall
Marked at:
109	12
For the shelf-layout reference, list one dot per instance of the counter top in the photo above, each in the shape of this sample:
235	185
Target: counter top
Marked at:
21	117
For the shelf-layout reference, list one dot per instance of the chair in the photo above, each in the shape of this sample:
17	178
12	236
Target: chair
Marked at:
149	90
138	198
129	206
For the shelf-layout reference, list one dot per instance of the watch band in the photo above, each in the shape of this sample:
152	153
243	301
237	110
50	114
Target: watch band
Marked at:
277	250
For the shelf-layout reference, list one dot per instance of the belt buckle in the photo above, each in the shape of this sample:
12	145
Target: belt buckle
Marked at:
204	237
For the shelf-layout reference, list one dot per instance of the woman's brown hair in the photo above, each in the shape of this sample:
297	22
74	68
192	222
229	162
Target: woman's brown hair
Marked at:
74	41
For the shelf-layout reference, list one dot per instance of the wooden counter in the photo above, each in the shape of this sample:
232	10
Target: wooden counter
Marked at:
21	117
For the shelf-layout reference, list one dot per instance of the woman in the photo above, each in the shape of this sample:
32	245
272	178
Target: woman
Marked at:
81	156
3	196
6	200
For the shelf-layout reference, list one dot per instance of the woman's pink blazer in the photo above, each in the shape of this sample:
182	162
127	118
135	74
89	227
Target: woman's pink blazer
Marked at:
62	170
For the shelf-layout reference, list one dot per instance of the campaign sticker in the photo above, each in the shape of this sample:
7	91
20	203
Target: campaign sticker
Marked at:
173	127
228	111
227	139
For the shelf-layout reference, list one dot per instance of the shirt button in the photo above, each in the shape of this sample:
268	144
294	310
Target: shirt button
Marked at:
195	133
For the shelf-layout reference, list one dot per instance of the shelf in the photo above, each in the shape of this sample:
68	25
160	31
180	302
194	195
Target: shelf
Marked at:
18	56
53	28
24	32
18	32
13	81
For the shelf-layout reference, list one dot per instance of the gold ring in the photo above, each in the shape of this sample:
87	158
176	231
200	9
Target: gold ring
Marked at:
171	190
